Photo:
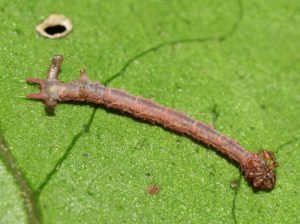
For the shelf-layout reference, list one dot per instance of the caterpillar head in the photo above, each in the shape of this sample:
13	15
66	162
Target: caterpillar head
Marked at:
48	87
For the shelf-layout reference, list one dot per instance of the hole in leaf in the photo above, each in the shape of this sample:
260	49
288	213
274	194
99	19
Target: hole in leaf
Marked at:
55	26
51	30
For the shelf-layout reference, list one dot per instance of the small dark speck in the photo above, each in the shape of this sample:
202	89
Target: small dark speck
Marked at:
140	144
120	208
148	174
85	128
241	77
234	184
90	193
18	31
263	107
211	173
86	154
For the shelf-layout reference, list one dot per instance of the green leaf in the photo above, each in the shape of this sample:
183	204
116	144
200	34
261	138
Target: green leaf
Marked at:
11	206
233	64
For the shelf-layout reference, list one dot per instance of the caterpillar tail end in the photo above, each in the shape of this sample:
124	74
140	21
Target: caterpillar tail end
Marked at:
259	170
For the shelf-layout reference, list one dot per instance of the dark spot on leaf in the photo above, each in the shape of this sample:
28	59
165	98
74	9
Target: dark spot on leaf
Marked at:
211	173
18	31
90	193
86	154
263	107
178	141
85	128
120	208
234	184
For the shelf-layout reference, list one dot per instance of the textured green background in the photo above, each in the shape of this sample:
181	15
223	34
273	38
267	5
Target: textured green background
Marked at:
234	64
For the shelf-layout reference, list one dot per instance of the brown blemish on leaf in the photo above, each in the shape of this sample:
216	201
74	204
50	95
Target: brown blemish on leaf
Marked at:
153	189
234	184
55	26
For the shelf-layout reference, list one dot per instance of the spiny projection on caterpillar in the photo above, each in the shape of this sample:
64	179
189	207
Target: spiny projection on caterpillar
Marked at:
258	168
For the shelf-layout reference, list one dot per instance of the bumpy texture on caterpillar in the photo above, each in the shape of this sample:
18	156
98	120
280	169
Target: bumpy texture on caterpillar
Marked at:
258	168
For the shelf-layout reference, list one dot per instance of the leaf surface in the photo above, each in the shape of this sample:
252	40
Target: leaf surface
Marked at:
233	64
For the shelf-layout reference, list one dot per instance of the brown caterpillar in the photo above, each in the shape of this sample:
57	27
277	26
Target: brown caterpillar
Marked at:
258	168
